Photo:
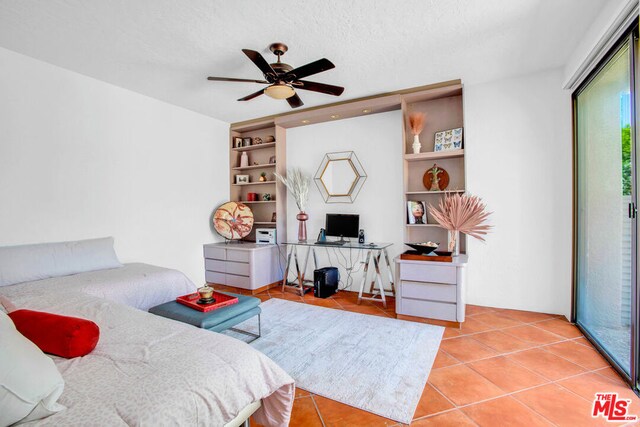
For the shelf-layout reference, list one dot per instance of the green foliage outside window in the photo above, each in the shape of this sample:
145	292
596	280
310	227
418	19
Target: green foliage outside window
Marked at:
626	160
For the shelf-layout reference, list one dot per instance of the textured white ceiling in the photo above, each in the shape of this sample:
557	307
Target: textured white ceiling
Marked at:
166	48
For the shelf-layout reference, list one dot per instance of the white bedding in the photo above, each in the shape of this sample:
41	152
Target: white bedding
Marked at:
148	370
140	286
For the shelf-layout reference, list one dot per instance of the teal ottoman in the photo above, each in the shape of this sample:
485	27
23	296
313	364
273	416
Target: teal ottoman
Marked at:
217	320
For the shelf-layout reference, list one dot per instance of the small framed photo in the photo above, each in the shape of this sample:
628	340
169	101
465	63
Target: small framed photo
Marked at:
448	140
417	212
273	217
272	159
242	179
246	142
237	142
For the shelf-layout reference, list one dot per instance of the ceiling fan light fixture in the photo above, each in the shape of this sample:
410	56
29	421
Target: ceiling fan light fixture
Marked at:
280	91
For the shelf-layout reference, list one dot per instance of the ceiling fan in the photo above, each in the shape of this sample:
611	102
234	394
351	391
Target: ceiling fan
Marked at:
283	79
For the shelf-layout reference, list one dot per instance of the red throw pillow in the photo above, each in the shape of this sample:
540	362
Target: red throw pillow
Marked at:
59	335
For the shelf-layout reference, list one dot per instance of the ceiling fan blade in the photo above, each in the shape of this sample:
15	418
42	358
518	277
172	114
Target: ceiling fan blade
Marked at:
253	95
295	101
229	79
261	63
311	68
319	87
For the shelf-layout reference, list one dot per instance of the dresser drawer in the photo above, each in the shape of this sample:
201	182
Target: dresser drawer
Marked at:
240	268
238	281
238	256
214	253
428	291
214	265
428	273
214	277
429	309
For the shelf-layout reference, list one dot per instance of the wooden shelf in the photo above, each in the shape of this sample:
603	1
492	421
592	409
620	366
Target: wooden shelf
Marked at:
424	225
434	155
263	223
244	168
247	202
255	147
408	193
255	183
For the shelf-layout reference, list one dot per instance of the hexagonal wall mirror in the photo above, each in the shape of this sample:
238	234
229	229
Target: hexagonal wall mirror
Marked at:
340	177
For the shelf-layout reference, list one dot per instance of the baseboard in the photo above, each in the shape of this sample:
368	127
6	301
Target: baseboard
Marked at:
244	291
437	322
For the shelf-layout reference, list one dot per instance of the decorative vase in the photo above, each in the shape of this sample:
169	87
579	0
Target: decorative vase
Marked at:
416	144
244	159
302	218
454	242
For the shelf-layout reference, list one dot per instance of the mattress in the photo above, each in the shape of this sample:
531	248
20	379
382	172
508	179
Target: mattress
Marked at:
148	370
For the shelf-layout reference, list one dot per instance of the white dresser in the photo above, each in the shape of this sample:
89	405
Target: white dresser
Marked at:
242	265
433	290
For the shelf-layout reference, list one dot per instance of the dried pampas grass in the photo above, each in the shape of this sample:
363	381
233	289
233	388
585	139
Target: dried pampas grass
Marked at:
297	182
464	213
416	123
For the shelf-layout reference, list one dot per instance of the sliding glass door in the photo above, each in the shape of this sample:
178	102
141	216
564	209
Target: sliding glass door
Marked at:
605	276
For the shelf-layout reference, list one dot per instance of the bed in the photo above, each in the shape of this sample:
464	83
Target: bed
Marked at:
148	370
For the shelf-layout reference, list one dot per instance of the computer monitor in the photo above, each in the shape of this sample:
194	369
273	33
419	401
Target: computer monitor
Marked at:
343	225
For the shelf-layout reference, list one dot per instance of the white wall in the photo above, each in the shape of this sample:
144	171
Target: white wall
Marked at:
607	23
80	158
376	140
518	153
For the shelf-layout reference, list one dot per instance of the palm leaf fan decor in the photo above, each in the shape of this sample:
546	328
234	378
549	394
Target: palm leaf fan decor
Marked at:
461	213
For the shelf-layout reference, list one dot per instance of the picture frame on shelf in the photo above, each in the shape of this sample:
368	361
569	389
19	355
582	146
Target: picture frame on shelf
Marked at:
448	140
237	142
416	212
246	142
272	160
273	217
242	179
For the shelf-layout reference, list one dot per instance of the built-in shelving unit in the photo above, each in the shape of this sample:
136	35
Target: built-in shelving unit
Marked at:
433	192
433	155
252	167
442	102
443	110
255	147
268	158
254	202
255	183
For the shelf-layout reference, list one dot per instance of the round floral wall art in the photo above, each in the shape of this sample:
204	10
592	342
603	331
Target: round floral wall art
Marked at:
233	220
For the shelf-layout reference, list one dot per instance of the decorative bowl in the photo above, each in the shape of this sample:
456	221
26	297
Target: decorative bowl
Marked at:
206	292
424	247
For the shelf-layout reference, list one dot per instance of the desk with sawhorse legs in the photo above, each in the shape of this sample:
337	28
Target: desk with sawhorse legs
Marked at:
375	253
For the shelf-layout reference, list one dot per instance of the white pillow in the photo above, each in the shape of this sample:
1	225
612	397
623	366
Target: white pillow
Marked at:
30	383
26	263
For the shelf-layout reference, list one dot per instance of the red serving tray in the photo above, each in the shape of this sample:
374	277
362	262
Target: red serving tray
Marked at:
222	300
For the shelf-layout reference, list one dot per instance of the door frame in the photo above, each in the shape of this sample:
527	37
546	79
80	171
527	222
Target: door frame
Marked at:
629	36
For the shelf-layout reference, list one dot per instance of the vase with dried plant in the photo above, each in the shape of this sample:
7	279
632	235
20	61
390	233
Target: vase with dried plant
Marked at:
416	123
461	213
297	182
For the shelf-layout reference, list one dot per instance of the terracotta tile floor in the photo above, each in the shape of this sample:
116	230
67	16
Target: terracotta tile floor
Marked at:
501	368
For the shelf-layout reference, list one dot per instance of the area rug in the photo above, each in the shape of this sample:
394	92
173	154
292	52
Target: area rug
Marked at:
377	364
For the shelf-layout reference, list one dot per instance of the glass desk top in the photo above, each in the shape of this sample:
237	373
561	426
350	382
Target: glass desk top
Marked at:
349	245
